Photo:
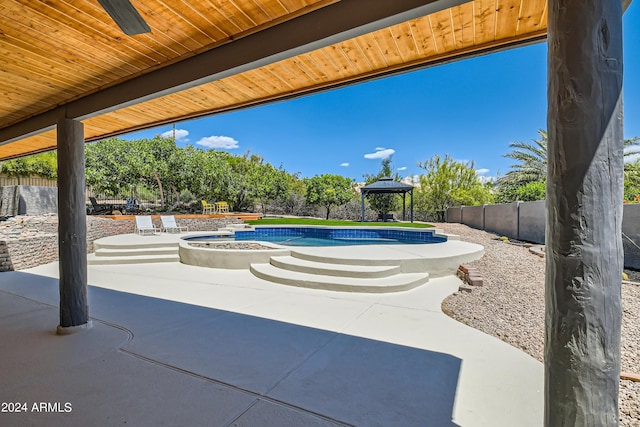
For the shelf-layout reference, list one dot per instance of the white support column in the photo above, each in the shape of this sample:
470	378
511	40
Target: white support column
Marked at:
72	228
584	213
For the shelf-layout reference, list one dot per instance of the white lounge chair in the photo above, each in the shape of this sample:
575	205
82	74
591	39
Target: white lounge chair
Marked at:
169	225
144	224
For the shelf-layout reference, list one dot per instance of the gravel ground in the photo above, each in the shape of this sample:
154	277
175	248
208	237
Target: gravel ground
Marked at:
510	306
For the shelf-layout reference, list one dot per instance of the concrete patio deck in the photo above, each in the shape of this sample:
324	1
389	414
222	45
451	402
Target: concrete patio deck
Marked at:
177	345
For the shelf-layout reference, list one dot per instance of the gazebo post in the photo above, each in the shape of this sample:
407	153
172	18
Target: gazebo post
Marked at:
404	204
411	193
362	192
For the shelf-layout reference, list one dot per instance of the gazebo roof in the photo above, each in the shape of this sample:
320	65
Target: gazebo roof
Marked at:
387	185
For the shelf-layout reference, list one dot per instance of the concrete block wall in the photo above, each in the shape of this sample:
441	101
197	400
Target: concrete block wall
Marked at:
517	220
527	221
454	214
631	235
473	216
502	219
532	221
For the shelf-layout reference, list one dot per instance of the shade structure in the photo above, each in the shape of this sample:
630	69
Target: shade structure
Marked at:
211	57
387	185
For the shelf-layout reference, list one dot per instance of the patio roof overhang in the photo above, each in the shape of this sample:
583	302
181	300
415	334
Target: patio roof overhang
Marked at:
70	60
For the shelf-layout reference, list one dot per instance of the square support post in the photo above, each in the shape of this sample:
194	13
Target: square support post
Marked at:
584	213
72	227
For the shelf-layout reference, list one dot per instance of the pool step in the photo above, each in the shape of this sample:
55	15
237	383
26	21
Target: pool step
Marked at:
395	283
134	244
158	250
95	259
134	253
292	263
323	257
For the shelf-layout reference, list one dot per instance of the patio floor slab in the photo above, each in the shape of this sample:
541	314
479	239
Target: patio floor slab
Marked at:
179	345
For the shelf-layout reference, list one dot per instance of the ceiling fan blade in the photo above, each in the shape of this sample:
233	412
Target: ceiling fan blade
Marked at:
126	16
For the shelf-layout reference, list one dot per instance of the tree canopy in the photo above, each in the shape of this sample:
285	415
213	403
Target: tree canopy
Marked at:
44	165
117	167
531	168
329	191
383	203
448	183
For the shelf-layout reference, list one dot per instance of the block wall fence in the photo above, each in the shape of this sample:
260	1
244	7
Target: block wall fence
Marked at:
526	221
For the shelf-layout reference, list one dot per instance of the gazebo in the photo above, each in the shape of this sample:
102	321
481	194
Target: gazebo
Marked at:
387	185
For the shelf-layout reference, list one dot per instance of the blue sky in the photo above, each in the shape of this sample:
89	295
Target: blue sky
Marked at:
471	110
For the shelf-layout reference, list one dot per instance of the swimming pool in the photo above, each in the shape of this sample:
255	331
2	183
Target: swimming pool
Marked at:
335	236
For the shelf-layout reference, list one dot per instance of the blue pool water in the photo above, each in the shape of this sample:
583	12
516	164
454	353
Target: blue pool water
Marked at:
321	236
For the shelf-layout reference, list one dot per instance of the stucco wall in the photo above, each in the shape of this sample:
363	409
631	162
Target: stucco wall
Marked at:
502	219
454	214
473	216
527	221
532	221
631	235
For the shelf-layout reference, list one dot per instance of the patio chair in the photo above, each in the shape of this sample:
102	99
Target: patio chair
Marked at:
144	224
97	208
222	207
131	206
169	225
208	208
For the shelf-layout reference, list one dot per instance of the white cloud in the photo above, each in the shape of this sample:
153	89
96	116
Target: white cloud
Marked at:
403	168
225	142
482	171
381	153
631	158
344	165
181	134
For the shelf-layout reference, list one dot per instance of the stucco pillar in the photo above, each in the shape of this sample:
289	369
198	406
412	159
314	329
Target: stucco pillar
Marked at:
72	228
584	213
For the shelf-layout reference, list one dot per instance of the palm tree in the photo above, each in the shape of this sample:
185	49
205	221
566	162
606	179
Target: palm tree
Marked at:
532	158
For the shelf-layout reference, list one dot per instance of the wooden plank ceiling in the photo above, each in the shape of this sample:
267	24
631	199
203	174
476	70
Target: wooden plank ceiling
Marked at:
56	52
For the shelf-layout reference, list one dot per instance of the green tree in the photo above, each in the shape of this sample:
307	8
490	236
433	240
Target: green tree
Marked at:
632	181
532	161
329	190
109	166
267	184
531	191
239	192
210	174
449	183
156	161
43	165
383	203
532	165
